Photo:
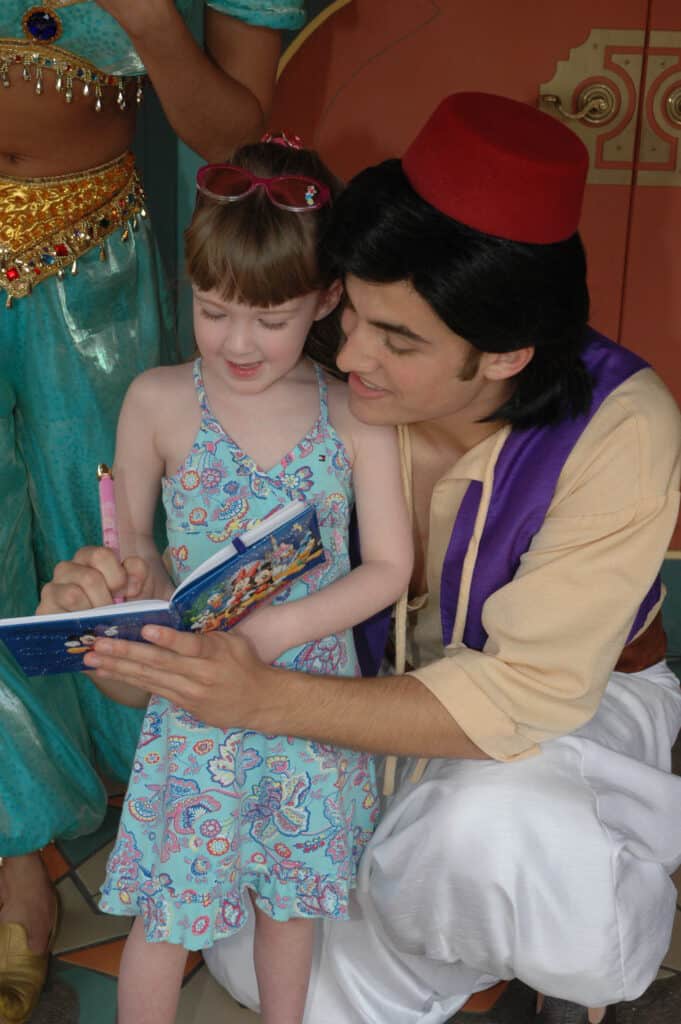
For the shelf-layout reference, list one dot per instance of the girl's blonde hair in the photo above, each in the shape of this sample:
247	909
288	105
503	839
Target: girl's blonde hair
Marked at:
254	252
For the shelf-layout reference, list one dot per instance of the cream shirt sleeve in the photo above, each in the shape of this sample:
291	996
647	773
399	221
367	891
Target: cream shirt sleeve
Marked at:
557	629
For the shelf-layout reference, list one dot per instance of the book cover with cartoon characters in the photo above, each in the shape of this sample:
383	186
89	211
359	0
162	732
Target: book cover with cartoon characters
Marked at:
252	568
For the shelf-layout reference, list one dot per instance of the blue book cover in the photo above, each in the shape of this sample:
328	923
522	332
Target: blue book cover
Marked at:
216	595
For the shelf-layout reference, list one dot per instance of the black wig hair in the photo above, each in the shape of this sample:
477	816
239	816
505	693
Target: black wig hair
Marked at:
497	294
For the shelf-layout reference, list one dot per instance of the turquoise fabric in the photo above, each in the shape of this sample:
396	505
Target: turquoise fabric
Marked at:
67	355
210	813
94	35
288	14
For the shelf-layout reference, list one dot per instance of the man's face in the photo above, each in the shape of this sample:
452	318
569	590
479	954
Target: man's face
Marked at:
404	363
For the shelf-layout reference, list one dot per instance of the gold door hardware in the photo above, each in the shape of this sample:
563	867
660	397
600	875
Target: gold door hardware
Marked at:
659	156
674	106
595	104
601	92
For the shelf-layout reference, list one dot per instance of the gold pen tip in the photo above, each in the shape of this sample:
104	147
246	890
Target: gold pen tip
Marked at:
103	470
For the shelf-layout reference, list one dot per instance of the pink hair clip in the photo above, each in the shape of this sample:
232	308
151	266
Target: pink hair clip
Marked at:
283	139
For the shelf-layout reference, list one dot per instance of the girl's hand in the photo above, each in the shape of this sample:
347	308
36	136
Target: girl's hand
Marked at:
262	629
138	17
92	578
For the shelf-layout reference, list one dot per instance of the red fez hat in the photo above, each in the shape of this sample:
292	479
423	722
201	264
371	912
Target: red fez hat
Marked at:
501	167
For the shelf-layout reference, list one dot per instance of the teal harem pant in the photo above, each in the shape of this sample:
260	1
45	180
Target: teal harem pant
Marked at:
68	352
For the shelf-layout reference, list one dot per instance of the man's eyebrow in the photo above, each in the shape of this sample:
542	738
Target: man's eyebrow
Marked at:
401	329
390	328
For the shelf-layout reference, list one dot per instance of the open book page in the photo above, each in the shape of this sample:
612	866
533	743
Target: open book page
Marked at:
217	595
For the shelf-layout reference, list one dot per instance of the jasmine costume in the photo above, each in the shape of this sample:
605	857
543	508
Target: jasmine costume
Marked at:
86	310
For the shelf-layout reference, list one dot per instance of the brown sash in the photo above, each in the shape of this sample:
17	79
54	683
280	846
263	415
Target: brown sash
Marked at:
645	650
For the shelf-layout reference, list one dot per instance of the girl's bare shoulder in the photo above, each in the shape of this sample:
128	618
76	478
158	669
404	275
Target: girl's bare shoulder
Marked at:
352	430
161	387
340	412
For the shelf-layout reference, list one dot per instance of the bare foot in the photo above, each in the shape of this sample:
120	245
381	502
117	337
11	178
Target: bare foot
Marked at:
27	898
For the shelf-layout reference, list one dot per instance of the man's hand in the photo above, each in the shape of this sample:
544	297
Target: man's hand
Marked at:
92	578
218	678
215	676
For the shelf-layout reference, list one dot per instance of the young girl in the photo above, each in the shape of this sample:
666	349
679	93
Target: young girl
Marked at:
217	825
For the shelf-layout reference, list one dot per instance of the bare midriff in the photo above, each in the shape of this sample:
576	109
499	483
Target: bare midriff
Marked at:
44	136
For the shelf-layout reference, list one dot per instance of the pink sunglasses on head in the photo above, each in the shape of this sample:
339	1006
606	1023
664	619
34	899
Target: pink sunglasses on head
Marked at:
227	183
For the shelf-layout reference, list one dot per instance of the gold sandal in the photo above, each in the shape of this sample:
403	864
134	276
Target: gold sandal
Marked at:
22	972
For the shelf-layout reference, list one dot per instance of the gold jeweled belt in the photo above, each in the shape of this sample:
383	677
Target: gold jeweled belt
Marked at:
46	224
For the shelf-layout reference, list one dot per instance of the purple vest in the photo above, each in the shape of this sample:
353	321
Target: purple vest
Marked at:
525	479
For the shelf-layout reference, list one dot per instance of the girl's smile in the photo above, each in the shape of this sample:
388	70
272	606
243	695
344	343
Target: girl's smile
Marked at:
244	371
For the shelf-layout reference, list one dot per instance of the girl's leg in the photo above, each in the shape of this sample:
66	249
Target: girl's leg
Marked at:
149	980
283	958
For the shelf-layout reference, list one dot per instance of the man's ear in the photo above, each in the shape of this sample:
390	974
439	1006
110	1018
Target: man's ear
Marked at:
329	299
504	365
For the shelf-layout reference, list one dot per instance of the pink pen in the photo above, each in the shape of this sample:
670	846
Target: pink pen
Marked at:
107	510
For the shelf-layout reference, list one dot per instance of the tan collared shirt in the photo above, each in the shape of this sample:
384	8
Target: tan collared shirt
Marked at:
557	629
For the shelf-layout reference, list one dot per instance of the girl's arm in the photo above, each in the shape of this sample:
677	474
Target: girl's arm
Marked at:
217	99
138	469
387	557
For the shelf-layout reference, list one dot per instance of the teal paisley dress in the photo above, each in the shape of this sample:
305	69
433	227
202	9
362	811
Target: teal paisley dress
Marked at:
68	352
210	813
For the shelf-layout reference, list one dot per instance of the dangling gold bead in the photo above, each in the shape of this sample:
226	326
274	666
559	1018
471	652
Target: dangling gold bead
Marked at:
39	81
120	95
8	303
125	234
102	253
61	273
74	268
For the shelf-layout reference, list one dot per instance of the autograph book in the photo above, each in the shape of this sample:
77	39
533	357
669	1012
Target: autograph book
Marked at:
254	566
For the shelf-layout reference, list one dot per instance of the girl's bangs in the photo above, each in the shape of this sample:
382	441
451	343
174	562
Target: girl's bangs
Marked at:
262	257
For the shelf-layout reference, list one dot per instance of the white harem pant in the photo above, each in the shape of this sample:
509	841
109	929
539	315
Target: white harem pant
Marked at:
554	870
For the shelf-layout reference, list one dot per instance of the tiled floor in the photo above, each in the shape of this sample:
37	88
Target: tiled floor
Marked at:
89	943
